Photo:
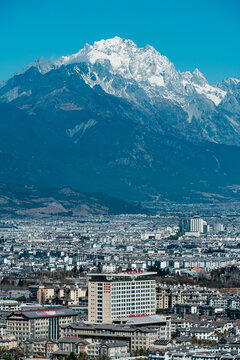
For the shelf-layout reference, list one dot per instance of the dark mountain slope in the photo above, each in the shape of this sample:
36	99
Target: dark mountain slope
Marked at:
62	132
32	201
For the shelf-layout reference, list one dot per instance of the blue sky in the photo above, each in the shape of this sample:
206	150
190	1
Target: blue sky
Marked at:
191	33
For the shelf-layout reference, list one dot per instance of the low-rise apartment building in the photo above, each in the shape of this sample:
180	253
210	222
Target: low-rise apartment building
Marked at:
168	296
39	323
93	348
71	294
138	337
42	347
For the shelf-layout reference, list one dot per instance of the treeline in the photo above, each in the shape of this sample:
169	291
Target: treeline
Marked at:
226	277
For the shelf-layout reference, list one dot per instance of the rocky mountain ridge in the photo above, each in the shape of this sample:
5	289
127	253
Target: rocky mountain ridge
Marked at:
122	120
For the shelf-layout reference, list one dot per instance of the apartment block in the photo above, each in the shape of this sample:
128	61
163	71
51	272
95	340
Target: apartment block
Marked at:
69	293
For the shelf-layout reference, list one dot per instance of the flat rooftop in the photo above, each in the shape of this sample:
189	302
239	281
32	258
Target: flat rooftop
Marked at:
132	274
140	320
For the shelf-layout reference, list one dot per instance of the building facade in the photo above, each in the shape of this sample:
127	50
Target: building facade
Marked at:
137	337
39	323
111	296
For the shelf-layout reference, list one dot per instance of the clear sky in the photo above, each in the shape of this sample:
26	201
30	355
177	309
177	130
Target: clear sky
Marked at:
191	33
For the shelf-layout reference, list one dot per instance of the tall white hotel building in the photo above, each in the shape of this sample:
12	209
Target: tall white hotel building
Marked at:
198	225
111	296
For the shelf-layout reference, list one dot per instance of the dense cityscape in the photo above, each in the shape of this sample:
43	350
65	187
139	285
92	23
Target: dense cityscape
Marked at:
120	180
120	287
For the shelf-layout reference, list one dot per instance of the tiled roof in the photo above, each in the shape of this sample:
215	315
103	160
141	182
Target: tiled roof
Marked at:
42	313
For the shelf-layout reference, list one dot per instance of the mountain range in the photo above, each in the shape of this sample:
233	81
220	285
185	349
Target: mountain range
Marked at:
121	120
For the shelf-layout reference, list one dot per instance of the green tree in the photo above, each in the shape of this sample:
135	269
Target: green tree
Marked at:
72	356
83	356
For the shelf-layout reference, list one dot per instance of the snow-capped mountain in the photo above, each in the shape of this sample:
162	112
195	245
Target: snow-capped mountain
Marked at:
120	119
146	67
149	80
231	102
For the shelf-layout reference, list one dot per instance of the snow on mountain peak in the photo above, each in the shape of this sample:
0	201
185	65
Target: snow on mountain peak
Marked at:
102	49
143	67
43	65
232	81
124	57
202	87
152	72
198	77
115	42
235	80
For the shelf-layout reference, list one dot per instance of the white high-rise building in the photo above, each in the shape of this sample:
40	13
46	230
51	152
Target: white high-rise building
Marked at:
217	227
198	225
112	296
